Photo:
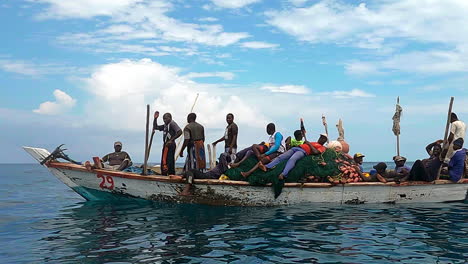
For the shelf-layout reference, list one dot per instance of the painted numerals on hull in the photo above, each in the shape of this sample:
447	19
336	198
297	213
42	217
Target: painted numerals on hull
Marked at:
107	182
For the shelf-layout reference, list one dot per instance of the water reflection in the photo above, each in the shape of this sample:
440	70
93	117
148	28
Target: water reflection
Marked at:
149	232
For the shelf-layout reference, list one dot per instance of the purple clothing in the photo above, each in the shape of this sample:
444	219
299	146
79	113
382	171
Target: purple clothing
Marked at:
399	169
456	165
292	156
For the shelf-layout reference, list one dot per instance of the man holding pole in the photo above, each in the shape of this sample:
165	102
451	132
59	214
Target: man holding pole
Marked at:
171	131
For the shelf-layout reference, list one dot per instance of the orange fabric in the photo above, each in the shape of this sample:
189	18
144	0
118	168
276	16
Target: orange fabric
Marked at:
316	145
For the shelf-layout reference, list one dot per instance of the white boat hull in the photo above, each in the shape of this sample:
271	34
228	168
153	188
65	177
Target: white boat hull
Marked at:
105	184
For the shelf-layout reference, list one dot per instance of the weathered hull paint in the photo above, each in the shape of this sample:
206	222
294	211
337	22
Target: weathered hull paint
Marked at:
111	185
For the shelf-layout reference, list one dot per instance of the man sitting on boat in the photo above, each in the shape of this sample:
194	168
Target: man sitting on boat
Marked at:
379	173
118	160
171	131
427	169
296	141
222	166
276	147
456	165
295	154
255	149
401	170
194	140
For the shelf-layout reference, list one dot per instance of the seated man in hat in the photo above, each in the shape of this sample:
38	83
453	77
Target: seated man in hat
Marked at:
118	160
379	173
401	170
457	162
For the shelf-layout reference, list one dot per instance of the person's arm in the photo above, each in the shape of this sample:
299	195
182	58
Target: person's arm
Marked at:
105	158
313	150
381	178
288	142
430	146
128	156
278	140
186	141
219	140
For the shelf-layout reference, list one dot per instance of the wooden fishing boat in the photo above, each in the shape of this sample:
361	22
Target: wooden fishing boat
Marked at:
100	184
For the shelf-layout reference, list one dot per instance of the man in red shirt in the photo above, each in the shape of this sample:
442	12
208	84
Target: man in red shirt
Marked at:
295	154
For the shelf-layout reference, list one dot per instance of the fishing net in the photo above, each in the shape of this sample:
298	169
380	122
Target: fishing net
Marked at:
319	166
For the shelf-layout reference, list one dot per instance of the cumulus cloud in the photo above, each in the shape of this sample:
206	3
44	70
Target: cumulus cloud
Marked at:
120	92
233	3
258	45
292	89
63	102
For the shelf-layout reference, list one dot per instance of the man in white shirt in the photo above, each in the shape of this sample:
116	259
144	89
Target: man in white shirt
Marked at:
457	130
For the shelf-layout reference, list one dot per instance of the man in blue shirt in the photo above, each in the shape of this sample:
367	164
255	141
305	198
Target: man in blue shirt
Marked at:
457	162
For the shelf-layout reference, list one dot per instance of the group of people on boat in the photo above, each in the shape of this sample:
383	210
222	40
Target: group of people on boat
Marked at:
451	159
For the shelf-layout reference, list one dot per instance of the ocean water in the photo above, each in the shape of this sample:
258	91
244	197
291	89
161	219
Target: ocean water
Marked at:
42	221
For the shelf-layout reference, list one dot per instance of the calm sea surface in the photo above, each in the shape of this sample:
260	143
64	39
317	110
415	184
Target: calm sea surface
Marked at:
42	221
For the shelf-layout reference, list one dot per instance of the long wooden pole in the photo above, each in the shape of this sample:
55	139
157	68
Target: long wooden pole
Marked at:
178	148
145	164
398	135
447	125
324	122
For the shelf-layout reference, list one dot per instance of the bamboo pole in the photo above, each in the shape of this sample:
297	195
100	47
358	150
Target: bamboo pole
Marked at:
447	125
324	122
398	135
179	146
145	164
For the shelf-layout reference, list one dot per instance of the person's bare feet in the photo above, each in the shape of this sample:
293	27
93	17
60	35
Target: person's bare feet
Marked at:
234	165
244	174
281	177
262	167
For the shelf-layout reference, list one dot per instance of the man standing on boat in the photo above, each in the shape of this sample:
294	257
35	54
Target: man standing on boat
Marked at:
230	137
457	130
171	131
194	140
118	160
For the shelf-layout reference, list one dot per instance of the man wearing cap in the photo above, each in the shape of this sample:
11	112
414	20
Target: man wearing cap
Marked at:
359	159
401	170
379	173
457	162
118	160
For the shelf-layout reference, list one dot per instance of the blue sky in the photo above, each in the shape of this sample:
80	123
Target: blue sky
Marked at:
81	72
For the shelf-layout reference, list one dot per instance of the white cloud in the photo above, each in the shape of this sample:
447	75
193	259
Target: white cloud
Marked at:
63	102
119	91
136	20
224	75
428	62
386	27
208	19
291	89
348	94
258	45
84	8
19	67
234	3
